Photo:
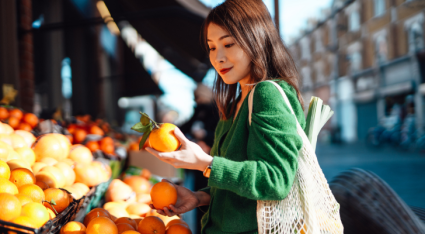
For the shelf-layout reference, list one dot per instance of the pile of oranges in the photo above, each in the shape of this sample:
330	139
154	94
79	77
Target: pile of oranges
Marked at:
79	133
18	120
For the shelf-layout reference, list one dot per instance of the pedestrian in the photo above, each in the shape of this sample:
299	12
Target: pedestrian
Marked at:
247	162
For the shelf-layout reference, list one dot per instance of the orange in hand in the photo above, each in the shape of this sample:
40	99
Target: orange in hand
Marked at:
163	139
163	194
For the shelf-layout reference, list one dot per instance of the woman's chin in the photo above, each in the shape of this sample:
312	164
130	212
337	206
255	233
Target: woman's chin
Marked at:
229	81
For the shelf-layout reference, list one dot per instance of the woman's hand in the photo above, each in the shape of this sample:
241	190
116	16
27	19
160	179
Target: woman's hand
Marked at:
186	201
190	156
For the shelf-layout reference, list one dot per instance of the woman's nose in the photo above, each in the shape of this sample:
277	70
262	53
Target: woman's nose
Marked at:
220	57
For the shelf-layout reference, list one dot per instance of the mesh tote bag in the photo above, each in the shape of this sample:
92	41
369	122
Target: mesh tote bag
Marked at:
310	207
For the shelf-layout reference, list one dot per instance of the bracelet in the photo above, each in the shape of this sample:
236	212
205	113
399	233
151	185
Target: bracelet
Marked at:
207	170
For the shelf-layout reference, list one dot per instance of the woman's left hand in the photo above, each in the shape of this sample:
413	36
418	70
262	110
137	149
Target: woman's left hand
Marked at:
190	156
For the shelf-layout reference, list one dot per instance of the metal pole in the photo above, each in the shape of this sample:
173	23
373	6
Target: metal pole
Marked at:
276	15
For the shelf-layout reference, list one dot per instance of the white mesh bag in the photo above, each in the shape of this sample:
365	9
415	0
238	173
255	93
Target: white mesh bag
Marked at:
310	207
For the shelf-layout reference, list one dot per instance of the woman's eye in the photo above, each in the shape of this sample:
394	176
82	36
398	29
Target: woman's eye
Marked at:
229	45
211	49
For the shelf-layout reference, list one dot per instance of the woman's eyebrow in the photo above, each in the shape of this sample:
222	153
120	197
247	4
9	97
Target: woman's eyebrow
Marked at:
222	37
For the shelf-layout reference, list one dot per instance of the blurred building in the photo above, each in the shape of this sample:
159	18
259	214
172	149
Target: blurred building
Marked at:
365	58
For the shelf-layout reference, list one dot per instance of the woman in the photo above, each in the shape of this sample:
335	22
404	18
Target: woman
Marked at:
247	162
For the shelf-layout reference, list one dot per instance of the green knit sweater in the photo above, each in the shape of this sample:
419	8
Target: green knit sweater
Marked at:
251	163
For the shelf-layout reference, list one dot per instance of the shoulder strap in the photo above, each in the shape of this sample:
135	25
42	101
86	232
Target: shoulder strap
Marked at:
285	98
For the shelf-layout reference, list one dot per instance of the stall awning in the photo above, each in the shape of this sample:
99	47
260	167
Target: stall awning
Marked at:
172	27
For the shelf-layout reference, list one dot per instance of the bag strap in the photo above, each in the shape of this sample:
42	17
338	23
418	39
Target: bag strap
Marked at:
285	98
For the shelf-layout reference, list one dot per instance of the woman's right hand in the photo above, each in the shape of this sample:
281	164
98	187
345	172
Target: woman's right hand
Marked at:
186	201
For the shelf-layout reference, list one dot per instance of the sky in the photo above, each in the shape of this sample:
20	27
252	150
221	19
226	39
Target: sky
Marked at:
293	13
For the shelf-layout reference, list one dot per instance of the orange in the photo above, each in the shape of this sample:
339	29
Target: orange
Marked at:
163	139
87	175
10	207
138	184
70	162
8	187
130	232
119	212
51	145
30	119
60	197
72	128
24	127
73	227
93	146
145	174
106	141
18	163
118	191
24	221
52	214
128	221
84	189
48	160
108	149
122	227
138	221
80	154
102	225
13	155
5	150
139	209
70	138
151	225
23	199
4	170
6	129
28	137
21	176
134	146
79	135
4	113
58	175
32	191
6	139
109	205
163	194
75	193
96	130
16	113
26	154
97	212
13	122
178	228
67	171
42	185
175	221
37	212
36	167
143	198
17	141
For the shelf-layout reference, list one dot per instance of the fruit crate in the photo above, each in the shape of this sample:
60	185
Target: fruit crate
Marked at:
51	227
98	196
84	204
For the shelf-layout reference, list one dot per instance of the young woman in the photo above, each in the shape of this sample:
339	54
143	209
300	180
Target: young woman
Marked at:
247	162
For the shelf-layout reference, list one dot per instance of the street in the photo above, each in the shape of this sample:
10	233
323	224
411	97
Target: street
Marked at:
404	172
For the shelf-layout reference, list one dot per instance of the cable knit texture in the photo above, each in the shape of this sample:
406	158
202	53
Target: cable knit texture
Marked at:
251	163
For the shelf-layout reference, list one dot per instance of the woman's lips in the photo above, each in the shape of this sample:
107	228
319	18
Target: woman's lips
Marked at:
225	70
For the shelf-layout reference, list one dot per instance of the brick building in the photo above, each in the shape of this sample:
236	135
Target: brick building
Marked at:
364	59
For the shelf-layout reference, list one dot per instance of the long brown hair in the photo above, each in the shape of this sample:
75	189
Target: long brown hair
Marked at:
250	24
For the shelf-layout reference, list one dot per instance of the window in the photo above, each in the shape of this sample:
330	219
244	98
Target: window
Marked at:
305	49
356	62
318	43
354	23
416	39
381	49
379	7
306	78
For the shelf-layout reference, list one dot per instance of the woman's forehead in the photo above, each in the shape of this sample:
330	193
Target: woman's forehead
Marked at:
216	32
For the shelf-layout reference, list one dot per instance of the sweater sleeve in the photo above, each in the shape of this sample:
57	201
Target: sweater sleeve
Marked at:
273	146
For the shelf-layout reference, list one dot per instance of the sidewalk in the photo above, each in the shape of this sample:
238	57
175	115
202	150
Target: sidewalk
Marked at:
403	171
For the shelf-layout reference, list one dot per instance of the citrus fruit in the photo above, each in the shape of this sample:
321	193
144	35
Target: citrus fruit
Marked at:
58	175
4	170
30	119
122	227
79	135
73	227
13	122
163	139
4	113
86	174
175	221
118	191
128	221
51	145
96	130
118	211
6	129
130	232
21	176
138	184
52	214
80	154
26	154
36	167
48	178
17	113
163	194
49	161
138	209
102	225
97	212
60	197
178	228
145	173
8	187
67	172
151	225
32	191
5	149
13	155
23	199
37	212
84	189
70	162
108	149
42	185
18	163
17	141
93	146
10	207
24	127
24	221
28	137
